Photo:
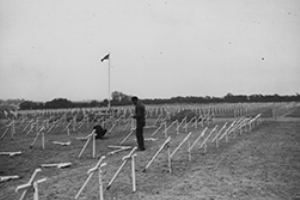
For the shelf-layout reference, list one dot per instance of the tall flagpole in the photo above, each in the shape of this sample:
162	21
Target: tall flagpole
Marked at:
109	83
107	57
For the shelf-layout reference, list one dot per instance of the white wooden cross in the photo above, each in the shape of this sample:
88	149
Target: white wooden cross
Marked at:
131	156
32	183
90	173
89	137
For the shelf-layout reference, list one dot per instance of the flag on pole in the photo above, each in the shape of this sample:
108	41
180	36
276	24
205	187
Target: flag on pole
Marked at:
105	58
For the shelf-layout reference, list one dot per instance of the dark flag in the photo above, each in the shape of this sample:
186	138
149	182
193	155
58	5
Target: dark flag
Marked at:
105	58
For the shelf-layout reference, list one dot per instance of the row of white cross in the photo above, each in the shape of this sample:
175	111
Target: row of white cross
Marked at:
240	124
152	111
214	136
161	113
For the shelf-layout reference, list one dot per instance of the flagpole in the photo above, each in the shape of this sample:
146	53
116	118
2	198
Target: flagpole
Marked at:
107	57
109	83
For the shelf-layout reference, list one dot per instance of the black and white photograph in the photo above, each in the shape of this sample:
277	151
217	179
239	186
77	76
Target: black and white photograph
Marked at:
150	100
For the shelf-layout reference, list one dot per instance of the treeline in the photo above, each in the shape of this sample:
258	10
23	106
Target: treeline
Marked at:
229	98
60	103
119	99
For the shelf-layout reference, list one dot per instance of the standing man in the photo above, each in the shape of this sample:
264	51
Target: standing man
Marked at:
140	121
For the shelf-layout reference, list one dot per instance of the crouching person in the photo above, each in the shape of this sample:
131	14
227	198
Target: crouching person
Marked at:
100	132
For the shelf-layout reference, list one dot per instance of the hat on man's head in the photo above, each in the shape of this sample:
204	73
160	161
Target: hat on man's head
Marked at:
134	98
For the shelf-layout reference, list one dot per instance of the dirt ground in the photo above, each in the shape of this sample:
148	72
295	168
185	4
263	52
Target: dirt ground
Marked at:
261	164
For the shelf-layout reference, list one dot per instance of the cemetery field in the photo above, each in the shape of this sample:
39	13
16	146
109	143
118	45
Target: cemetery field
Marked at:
261	163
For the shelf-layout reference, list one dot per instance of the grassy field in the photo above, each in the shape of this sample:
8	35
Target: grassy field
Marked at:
261	164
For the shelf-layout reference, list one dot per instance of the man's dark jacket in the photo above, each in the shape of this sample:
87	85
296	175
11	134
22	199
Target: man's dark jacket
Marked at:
140	114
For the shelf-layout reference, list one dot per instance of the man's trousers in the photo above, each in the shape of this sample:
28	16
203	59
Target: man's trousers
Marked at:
139	136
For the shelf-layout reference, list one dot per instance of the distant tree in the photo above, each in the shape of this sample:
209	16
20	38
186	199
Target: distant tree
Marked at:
94	103
235	98
228	97
59	103
255	98
28	105
104	103
119	98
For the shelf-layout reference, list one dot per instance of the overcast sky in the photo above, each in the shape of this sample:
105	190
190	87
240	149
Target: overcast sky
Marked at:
159	49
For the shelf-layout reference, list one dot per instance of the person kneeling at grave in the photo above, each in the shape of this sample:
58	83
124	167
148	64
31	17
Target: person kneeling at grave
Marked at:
100	132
